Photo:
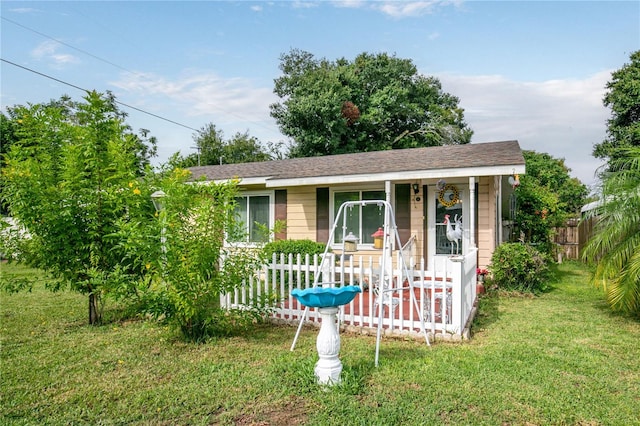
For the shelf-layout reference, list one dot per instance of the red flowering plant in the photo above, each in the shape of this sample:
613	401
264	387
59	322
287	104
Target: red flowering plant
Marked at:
481	273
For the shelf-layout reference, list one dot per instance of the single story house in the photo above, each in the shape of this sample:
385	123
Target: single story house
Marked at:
469	183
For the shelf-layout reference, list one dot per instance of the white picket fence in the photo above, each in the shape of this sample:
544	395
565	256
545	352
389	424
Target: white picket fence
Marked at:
445	292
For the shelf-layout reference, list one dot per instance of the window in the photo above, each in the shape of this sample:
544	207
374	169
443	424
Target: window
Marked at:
362	221
253	214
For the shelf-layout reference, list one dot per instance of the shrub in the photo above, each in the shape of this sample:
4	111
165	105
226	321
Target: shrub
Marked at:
518	266
294	247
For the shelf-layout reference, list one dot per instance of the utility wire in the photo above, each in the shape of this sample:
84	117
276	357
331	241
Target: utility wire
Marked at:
114	65
70	46
87	91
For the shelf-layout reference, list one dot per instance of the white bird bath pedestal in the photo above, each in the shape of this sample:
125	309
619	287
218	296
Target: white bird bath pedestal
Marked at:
327	300
329	366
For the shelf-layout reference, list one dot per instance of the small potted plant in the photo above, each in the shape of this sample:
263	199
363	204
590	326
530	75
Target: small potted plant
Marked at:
481	273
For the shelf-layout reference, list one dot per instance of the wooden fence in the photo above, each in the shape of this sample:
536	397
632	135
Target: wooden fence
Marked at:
567	240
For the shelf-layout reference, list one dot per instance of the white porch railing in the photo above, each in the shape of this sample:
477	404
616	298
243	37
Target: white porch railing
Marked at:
445	292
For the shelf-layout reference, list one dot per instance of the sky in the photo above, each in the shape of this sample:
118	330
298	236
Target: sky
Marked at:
532	71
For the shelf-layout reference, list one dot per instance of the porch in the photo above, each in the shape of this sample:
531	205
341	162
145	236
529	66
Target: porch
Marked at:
445	293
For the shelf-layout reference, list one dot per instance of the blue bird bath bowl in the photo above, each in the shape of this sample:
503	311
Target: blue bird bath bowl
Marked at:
319	297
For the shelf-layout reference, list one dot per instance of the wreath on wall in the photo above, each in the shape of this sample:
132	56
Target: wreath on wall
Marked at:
449	196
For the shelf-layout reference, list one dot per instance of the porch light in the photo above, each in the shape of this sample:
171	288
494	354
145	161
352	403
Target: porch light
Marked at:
378	238
156	198
350	243
416	188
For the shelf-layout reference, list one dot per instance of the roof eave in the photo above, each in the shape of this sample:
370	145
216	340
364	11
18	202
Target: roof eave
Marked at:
394	176
263	180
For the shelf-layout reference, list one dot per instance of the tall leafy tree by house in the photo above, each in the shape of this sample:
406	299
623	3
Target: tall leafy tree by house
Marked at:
375	102
546	197
70	175
623	98
214	149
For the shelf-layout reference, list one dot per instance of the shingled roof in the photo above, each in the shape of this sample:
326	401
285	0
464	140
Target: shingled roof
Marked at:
416	162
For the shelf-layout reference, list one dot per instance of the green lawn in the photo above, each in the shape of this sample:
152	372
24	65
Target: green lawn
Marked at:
560	358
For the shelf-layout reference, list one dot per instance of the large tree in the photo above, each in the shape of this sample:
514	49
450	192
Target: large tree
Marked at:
615	245
70	175
553	174
546	197
372	103
214	149
623	97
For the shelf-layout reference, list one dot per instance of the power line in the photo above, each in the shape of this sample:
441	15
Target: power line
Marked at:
121	68
70	46
87	91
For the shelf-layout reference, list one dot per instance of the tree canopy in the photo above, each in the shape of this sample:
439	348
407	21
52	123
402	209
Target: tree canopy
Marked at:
623	97
214	149
552	173
375	102
547	196
12	130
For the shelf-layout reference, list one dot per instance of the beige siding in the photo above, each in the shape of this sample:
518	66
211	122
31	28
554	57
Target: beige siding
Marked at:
301	218
486	220
301	213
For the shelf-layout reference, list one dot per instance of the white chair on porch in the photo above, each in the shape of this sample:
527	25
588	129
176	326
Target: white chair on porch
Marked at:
387	298
442	294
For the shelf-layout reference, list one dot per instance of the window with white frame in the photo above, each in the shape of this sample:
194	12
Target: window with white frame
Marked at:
253	213
362	221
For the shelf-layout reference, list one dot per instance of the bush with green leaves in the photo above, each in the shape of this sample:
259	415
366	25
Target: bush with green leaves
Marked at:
519	267
189	263
286	247
293	247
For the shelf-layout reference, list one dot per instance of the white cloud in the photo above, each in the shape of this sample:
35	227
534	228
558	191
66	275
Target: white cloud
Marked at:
350	4
24	10
48	50
256	8
229	103
304	4
398	9
564	118
402	9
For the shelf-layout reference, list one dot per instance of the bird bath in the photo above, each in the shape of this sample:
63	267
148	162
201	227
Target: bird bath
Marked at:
327	300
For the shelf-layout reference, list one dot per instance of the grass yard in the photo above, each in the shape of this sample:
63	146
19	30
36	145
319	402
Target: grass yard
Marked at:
560	358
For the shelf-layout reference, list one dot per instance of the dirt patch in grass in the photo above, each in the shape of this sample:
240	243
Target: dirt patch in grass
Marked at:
289	413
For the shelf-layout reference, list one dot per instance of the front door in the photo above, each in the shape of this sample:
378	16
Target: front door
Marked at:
447	222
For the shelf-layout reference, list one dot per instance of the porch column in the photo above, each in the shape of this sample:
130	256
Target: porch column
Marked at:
472	212
387	197
387	191
498	180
